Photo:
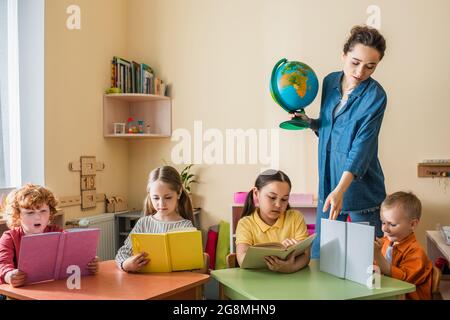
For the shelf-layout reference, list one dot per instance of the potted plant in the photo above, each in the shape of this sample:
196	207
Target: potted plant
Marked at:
187	178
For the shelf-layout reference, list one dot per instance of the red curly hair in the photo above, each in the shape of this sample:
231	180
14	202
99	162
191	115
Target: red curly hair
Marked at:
30	196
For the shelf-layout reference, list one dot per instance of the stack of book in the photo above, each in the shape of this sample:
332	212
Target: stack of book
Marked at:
134	77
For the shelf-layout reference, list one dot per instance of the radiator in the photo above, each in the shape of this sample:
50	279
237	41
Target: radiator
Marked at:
106	249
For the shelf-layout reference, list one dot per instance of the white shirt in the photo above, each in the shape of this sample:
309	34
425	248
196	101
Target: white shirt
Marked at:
341	104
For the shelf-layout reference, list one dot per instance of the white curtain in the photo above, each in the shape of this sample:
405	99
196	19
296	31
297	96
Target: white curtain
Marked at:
10	159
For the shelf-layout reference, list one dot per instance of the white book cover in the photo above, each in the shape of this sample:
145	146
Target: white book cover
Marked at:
333	247
360	239
346	249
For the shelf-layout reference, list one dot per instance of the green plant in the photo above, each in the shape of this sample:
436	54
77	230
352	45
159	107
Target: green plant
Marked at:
187	178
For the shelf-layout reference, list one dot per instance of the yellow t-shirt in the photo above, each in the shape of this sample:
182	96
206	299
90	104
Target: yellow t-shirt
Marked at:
253	230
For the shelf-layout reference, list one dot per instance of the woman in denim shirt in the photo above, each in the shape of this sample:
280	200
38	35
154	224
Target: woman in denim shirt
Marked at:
351	180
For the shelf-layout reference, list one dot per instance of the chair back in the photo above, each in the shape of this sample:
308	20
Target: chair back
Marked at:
436	279
232	261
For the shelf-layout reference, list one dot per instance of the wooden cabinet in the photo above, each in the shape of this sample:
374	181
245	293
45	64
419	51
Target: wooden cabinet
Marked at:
155	111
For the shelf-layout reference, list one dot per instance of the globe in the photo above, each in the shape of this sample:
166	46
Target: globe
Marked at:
293	86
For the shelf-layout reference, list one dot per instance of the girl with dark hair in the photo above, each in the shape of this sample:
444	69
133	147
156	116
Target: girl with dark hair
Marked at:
272	220
351	181
167	206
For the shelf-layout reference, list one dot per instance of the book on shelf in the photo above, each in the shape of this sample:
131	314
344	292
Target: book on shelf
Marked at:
147	78
346	249
176	250
134	77
47	256
254	257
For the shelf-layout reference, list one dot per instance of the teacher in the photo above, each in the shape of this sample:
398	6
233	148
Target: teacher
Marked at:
351	180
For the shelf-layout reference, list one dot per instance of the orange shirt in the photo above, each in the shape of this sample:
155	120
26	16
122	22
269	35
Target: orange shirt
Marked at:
411	264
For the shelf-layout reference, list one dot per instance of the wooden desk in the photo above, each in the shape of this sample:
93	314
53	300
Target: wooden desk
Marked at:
436	247
306	284
113	284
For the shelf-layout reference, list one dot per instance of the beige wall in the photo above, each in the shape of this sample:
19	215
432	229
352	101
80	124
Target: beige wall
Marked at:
217	56
77	71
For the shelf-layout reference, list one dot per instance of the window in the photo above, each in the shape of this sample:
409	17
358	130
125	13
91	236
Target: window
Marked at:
10	144
21	92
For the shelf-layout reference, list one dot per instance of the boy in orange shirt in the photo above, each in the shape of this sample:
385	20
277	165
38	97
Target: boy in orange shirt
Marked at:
398	254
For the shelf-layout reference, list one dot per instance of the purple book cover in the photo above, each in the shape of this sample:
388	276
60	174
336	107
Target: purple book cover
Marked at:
78	247
38	255
46	256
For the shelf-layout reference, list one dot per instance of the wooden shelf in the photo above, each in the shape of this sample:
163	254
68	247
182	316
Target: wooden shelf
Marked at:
136	97
137	136
154	110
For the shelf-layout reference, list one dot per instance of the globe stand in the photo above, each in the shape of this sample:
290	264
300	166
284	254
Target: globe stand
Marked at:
295	123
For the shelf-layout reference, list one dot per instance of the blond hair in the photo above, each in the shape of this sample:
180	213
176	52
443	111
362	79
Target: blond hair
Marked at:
169	175
407	201
30	196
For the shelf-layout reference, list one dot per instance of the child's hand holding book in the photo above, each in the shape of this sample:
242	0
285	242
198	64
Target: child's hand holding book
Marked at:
289	242
93	265
280	265
16	278
136	262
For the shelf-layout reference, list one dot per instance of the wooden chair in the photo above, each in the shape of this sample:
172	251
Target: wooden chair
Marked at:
232	261
436	279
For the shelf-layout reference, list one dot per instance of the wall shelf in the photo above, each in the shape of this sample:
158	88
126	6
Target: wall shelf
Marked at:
154	110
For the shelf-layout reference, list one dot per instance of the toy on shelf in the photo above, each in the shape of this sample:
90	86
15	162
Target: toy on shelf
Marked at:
119	128
140	126
132	128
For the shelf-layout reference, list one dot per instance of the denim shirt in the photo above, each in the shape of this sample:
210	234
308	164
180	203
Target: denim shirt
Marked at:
349	142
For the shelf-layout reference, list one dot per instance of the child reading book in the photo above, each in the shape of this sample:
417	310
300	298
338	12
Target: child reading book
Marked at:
272	221
29	210
398	253
167	206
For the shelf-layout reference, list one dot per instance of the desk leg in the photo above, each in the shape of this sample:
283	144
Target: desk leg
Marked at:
222	295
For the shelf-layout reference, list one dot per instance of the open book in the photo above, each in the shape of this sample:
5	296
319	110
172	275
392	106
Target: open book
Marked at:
47	256
346	249
254	258
176	250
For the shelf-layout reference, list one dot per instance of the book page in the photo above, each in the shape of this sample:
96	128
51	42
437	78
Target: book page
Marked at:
254	258
182	229
275	245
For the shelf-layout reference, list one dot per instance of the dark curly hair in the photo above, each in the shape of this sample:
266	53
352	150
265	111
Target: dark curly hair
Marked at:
367	36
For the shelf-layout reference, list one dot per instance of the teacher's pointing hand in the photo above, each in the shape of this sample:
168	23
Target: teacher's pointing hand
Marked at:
334	200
